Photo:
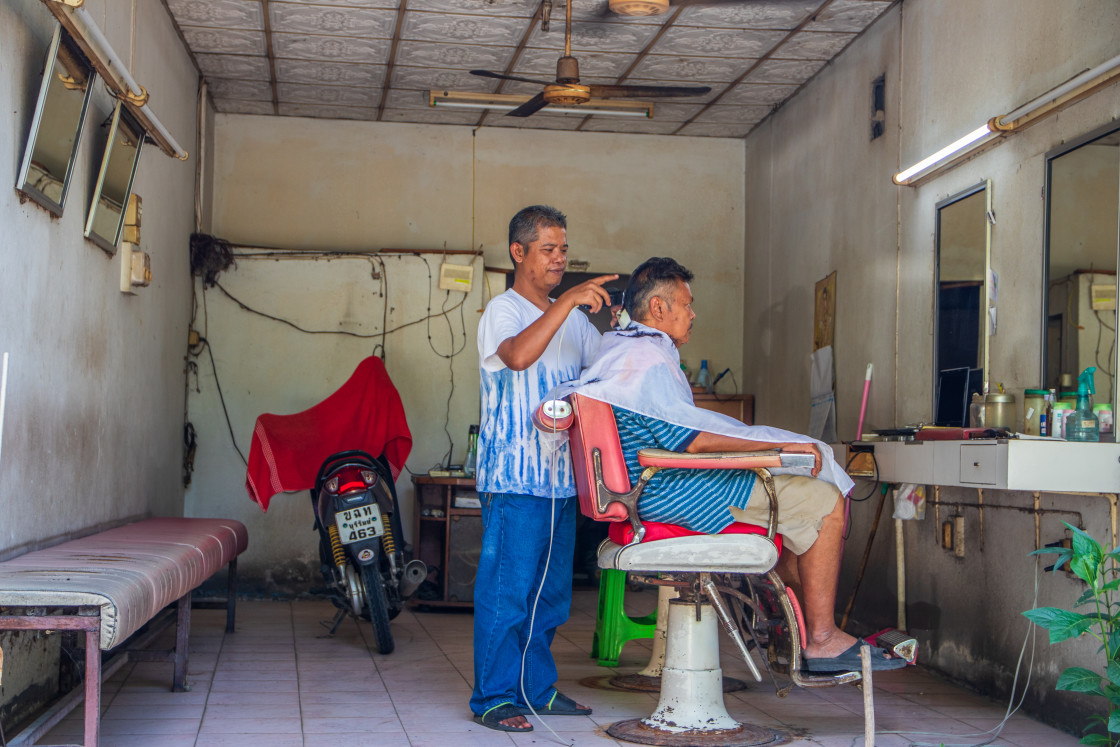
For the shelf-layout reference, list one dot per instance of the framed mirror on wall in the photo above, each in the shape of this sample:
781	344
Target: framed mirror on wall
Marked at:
114	183
963	241
1081	251
56	127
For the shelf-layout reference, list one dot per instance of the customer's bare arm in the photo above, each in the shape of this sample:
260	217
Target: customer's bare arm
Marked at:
711	442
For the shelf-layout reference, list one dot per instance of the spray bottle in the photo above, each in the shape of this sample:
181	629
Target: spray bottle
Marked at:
1081	424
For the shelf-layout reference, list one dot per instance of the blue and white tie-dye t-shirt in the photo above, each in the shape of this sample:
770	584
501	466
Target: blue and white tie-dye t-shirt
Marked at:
511	455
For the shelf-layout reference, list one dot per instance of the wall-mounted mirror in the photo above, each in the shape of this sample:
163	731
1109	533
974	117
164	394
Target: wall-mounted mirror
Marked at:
1082	209
114	183
960	348
48	158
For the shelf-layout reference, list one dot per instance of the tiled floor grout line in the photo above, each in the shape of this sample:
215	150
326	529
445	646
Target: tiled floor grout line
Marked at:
210	683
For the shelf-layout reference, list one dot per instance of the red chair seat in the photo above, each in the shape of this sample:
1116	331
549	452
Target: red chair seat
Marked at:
621	533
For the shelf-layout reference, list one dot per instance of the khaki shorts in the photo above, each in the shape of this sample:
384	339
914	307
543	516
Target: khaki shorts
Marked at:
803	502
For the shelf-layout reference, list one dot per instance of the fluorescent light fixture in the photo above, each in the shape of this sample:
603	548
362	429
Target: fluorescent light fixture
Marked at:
1074	89
509	102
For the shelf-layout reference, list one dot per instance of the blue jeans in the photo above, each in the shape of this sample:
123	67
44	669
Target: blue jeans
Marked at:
515	557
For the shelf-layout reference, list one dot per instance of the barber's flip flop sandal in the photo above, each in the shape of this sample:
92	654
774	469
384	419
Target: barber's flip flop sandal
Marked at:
493	718
850	661
562	705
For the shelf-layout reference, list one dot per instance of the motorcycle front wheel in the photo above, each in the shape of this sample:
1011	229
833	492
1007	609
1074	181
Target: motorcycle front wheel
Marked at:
378	605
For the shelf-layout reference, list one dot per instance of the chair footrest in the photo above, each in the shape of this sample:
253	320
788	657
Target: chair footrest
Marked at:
716	553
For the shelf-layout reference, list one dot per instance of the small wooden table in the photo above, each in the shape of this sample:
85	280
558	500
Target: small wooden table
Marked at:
738	406
447	535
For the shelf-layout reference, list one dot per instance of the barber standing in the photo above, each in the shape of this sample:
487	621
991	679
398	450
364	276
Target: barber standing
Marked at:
527	344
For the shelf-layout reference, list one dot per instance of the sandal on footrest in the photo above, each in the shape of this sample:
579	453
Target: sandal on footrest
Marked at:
493	718
562	705
850	661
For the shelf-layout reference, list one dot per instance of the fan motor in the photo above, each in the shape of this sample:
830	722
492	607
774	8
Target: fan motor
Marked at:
639	7
567	94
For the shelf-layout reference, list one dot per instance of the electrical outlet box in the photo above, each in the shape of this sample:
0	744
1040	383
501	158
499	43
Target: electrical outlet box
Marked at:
456	277
136	267
1103	297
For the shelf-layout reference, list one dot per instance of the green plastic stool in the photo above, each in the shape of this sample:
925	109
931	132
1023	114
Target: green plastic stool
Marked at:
613	627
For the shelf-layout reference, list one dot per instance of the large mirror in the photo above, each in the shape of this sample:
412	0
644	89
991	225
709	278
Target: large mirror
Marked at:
1082	207
48	158
114	183
960	352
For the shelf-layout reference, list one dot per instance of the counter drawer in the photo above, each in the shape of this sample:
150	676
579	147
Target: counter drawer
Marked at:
979	464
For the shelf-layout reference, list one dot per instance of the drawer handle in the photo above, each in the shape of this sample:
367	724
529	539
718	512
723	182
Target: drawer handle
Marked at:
976	464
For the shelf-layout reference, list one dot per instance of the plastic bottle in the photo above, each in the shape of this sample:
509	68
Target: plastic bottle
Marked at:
1058	427
702	377
1103	412
1081	424
1049	428
1034	408
470	463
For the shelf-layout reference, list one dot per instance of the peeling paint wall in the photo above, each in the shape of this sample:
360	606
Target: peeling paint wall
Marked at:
337	185
820	198
92	427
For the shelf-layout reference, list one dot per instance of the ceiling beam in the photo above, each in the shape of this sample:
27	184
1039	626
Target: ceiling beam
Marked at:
271	57
392	58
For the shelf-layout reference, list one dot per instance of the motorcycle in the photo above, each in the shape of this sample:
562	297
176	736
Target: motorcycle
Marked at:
358	521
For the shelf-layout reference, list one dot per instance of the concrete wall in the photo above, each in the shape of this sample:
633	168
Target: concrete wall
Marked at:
339	185
92	428
820	198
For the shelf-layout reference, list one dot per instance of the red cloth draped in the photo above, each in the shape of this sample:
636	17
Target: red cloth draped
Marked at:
365	413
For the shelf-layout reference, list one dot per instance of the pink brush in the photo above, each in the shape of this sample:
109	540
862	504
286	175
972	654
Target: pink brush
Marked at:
863	405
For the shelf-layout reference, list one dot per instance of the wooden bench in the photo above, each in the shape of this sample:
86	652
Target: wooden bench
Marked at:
110	584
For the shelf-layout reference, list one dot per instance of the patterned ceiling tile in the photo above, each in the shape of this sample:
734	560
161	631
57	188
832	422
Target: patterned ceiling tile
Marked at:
598	37
399	98
733	114
539	121
234	106
517	8
794	72
314	19
247	90
813	45
668	68
767	14
431	116
296	93
349	3
333	48
535	63
707	129
631	125
685	40
233	66
329	112
849	15
758	94
466	57
224	41
228	14
423	78
439	27
331	73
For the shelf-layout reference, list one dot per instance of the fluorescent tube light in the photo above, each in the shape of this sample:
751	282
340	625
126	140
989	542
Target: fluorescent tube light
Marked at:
509	102
907	176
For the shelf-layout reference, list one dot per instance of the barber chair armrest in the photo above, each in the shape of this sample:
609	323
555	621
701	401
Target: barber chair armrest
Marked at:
724	459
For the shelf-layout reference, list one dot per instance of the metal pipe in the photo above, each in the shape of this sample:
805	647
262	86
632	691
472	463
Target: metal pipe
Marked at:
1056	93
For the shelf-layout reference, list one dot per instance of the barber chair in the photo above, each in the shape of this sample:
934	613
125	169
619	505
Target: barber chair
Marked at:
691	698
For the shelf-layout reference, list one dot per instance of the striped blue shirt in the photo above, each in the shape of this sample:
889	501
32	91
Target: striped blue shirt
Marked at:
696	499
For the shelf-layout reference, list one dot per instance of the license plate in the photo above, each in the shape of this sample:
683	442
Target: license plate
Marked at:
361	523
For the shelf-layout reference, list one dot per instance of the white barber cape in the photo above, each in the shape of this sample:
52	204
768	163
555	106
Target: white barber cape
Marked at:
639	369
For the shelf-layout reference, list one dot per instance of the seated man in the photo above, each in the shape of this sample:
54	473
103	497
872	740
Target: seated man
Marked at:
637	371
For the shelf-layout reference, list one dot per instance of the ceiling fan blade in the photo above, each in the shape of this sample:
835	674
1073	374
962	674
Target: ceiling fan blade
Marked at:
499	76
645	92
531	106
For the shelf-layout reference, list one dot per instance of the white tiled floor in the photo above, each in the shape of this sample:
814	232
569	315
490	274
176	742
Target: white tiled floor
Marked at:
277	682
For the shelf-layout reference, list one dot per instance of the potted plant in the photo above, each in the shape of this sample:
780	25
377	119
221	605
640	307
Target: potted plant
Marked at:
1088	560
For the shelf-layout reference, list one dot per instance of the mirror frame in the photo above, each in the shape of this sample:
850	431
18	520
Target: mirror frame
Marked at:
1051	156
985	298
55	208
120	116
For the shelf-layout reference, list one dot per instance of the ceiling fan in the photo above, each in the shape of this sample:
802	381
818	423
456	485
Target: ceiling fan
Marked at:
655	7
566	90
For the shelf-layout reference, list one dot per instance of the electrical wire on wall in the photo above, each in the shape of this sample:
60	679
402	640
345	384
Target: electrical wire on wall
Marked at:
211	256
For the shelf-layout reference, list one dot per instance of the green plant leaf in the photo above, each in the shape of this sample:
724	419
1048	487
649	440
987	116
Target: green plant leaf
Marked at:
1112	585
1064	554
1112	671
1062	624
1085	598
1096	740
1079	680
1114	721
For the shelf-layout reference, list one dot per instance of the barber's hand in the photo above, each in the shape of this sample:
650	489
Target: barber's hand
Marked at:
806	449
589	293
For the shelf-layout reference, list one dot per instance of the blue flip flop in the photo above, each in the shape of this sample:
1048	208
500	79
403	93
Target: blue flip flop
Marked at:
561	705
850	661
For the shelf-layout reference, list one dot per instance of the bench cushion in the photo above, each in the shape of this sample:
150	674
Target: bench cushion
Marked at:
131	572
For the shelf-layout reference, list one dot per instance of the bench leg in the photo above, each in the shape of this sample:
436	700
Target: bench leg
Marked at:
93	687
182	644
231	596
